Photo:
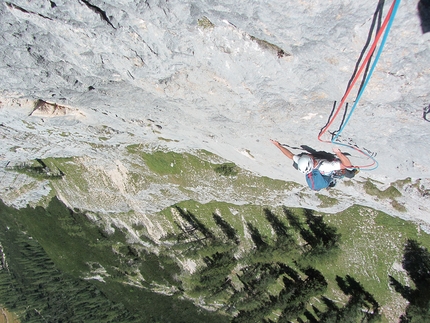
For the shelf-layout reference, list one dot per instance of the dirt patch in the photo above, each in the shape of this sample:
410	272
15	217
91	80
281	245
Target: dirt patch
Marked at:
46	109
7	317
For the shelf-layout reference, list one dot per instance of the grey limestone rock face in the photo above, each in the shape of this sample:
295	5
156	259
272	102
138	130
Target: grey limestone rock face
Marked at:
225	76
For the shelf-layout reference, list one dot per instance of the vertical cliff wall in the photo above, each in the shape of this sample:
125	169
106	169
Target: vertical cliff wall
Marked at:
87	78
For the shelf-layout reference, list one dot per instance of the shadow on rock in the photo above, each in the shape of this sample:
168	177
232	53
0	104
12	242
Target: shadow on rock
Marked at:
424	14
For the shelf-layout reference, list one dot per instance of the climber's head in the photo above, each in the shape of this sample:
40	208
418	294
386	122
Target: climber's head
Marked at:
305	163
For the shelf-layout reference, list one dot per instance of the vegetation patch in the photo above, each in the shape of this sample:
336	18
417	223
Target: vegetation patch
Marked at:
43	281
246	263
205	23
348	183
390	192
167	139
74	174
264	44
171	163
326	201
416	185
416	261
398	206
196	170
357	248
273	278
402	182
226	169
38	169
251	263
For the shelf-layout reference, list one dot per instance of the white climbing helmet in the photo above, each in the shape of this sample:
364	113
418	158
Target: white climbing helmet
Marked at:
305	163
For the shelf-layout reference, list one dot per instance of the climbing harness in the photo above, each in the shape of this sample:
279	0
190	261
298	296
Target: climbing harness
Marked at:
383	31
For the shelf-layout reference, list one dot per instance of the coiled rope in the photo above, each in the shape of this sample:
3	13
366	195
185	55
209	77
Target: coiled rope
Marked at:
385	28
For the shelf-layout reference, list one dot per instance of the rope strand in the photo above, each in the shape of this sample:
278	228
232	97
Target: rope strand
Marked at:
384	30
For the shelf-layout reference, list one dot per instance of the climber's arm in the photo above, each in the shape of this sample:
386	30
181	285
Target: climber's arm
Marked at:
345	162
284	150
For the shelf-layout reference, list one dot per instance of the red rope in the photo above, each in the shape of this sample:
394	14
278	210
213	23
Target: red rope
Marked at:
369	55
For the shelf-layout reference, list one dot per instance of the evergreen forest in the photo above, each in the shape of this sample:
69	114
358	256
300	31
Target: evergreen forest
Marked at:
58	265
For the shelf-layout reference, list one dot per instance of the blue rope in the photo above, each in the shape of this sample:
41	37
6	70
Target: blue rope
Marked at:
381	47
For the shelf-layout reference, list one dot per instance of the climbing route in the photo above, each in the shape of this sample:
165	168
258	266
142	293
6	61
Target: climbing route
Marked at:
383	32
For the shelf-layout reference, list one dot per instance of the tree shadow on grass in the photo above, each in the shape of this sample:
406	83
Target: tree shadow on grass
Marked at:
229	231
361	305
195	223
299	226
284	239
416	262
350	286
256	237
324	233
316	233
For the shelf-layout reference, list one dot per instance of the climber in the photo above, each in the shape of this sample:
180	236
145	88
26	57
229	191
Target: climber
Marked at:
320	172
